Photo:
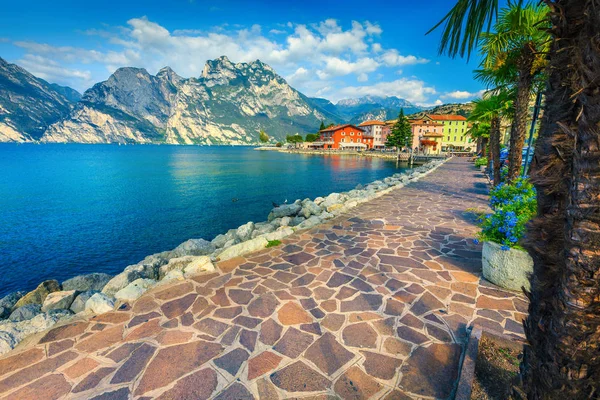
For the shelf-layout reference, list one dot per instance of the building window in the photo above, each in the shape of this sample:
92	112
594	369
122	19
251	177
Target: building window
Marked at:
358	133
455	130
455	138
343	133
352	134
352	140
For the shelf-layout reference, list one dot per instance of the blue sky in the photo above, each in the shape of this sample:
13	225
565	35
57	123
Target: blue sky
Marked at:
330	49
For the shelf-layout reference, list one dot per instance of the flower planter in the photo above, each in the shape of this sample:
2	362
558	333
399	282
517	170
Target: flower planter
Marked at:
509	269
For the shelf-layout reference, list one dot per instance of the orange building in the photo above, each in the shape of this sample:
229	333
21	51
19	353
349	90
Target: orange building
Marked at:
348	136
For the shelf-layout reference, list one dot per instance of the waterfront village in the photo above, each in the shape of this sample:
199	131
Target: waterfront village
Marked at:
432	134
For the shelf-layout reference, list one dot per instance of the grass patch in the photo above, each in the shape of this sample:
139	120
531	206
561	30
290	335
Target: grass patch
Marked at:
273	243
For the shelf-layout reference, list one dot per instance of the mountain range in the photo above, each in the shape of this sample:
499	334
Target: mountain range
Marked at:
230	103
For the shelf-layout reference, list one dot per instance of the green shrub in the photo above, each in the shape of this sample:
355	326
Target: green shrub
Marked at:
481	161
513	206
273	243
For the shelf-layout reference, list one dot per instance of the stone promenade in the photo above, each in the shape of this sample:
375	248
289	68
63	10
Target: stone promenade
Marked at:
374	304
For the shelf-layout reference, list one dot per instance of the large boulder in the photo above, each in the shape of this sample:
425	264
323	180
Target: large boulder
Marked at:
8	302
59	300
26	312
296	221
262	228
38	295
194	247
99	303
13	332
130	274
78	304
279	234
333	198
82	283
134	290
220	240
310	222
243	248
310	208
200	265
286	210
244	232
192	265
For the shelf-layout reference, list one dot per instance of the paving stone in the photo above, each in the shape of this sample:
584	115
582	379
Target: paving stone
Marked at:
411	335
64	332
328	354
232	361
248	339
49	387
266	390
199	385
333	322
292	313
393	307
270	332
92	380
293	343
237	391
397	347
101	340
298	258
313	328
148	329
175	308
425	304
134	365
355	384
173	362
17	361
211	326
439	363
338	280
240	296
360	335
227	312
262	363
298	377
122	352
362	302
379	365
35	371
264	306
247	322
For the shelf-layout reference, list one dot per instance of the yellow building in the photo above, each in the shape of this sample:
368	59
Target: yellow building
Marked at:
455	132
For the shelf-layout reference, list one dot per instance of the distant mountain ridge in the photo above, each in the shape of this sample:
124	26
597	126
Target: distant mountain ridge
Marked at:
229	103
29	105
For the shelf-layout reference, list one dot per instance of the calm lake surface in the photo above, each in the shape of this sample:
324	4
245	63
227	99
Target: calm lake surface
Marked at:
67	210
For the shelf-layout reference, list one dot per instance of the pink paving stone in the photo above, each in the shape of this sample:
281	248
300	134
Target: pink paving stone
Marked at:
100	340
92	380
328	354
148	329
173	292
270	332
58	347
248	339
264	306
379	365
199	385
64	332
49	387
236	391
134	364
232	361
360	335
175	308
17	361
298	377
173	362
293	343
262	363
292	313
355	384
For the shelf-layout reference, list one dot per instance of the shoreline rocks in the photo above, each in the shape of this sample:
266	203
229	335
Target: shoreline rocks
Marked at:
22	314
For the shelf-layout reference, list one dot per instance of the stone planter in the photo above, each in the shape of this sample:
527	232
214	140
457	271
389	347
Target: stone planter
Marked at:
482	168
509	269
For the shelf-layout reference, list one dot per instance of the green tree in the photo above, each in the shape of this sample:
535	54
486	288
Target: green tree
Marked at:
561	358
322	125
294	139
490	110
264	138
401	135
515	53
312	137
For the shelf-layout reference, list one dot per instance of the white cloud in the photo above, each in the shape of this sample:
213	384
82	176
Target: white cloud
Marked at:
50	70
462	94
310	56
392	58
4	40
415	91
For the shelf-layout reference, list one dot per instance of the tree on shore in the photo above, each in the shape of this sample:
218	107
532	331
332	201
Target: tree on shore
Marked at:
401	134
322	126
561	358
264	138
312	137
294	139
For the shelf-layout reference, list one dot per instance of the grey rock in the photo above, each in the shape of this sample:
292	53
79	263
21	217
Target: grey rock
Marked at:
26	312
310	208
130	274
285	221
38	295
244	232
93	281
193	247
59	300
310	222
219	241
78	304
286	210
333	198
99	303
135	289
296	221
8	302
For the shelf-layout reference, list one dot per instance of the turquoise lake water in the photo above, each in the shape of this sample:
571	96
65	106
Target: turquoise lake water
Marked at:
67	210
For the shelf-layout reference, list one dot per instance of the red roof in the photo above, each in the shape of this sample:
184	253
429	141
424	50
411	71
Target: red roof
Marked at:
372	122
439	117
338	127
423	122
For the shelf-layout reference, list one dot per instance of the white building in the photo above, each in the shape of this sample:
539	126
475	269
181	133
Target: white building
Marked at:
375	129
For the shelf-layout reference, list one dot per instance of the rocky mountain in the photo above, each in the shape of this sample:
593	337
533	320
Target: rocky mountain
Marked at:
28	105
228	104
374	107
463	109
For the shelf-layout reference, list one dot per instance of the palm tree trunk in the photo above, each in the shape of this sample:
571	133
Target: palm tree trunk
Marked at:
517	135
562	359
495	148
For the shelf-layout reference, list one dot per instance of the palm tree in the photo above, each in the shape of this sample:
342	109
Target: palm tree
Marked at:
480	131
490	109
563	326
515	51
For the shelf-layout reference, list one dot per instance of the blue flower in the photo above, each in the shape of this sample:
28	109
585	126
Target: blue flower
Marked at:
476	241
505	247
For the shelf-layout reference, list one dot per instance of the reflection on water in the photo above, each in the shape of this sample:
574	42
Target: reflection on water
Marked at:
74	209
